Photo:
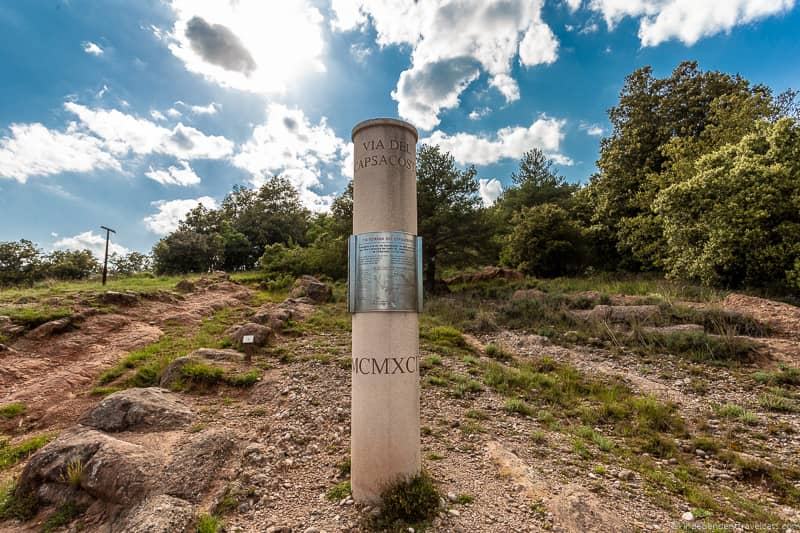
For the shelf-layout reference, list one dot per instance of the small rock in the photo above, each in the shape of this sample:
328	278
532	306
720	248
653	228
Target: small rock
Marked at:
312	529
185	285
528	294
687	516
626	475
452	496
453	512
700	453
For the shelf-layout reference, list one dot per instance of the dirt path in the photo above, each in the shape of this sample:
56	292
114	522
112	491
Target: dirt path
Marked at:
52	376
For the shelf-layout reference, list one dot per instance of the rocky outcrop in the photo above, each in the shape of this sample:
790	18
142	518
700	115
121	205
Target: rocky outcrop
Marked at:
312	288
106	468
679	328
150	409
273	318
158	514
118	298
53	327
173	375
195	464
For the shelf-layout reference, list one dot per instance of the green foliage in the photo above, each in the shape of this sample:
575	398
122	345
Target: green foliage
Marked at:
497	352
515	405
11	454
11	410
202	373
446	336
451	221
185	251
734	219
339	491
14	505
20	263
409	501
785	375
71	264
130	263
62	517
544	242
207	523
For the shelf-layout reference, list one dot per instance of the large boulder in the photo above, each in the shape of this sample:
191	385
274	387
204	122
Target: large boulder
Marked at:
150	409
195	464
228	360
158	514
311	287
108	469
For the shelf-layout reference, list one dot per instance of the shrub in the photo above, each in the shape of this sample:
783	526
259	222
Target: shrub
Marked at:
339	491
409	501
11	410
545	241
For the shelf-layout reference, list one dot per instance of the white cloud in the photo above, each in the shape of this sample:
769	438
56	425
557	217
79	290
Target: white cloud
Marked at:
511	142
91	48
686	20
250	45
289	145
170	213
89	240
595	130
360	52
210	109
123	134
34	150
452	43
183	175
157	115
573	5
174	113
490	190
102	92
477	114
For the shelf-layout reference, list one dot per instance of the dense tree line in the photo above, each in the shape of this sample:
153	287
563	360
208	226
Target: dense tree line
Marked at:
23	263
699	179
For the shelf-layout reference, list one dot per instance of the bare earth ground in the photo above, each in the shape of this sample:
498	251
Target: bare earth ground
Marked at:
299	415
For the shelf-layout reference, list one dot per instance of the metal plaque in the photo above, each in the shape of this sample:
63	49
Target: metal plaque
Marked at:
384	272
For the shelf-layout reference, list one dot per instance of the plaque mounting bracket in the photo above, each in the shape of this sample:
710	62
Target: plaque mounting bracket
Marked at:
384	272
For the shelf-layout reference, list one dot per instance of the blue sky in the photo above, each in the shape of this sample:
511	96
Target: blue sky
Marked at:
127	114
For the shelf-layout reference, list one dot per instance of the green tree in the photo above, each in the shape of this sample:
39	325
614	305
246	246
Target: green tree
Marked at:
634	163
735	218
130	263
535	183
544	241
271	214
71	264
184	251
20	262
451	221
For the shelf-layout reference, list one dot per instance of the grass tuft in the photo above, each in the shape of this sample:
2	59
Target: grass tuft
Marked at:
11	410
339	492
411	501
207	523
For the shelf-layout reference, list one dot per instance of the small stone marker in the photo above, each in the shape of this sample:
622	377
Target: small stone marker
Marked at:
247	346
384	297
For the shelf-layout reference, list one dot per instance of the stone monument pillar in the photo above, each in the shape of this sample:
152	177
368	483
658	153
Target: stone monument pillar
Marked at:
384	297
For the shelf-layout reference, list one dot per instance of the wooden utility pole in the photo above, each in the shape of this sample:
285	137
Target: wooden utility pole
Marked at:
109	231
